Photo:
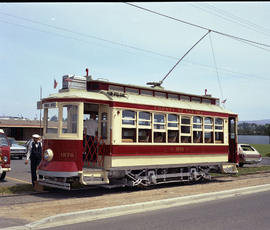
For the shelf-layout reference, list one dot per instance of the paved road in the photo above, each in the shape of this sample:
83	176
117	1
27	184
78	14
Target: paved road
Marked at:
247	212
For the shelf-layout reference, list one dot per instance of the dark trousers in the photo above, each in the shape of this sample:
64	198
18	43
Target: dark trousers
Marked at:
34	164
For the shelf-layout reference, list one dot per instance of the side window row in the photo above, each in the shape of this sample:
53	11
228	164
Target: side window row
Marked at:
149	127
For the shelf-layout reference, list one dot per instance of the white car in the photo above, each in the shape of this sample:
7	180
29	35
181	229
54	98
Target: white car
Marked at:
248	155
16	150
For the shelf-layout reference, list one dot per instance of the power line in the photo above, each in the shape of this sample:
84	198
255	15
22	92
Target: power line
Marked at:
236	20
245	75
83	34
245	21
198	26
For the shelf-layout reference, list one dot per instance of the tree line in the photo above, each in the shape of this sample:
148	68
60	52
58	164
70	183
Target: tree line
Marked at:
253	129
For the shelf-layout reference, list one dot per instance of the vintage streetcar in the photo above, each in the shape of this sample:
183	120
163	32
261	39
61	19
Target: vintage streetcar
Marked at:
145	135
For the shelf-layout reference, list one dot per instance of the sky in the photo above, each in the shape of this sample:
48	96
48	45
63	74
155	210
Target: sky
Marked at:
40	42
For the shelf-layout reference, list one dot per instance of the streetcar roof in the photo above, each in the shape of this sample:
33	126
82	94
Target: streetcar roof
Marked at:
130	98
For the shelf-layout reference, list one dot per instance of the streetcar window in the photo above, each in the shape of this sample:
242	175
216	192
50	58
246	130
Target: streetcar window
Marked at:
173	96
128	135
197	130
132	90
219	137
52	120
196	99
208	137
197	122
70	119
184	98
185	139
185	120
172	120
145	118
146	92
159	121
197	137
104	119
173	136
116	88
206	101
159	137
219	121
145	135
160	94
185	129
173	132
128	117
208	123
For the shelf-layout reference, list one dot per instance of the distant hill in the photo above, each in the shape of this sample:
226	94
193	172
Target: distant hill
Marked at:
257	122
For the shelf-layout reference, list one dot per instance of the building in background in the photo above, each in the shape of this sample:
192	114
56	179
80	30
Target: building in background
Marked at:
20	128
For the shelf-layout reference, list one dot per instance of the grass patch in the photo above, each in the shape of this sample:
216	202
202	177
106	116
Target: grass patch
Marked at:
263	149
16	189
244	171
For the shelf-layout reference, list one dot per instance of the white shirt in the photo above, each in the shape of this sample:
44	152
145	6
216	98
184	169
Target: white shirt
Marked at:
91	127
29	148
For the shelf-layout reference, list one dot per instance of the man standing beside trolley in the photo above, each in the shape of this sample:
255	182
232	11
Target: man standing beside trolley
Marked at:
34	153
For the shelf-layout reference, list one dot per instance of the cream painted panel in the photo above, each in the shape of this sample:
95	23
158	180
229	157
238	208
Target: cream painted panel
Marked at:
226	130
116	126
164	160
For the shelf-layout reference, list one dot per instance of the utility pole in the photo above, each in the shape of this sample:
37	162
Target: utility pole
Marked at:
40	110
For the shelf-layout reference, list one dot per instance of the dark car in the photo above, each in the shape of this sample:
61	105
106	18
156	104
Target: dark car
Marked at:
16	150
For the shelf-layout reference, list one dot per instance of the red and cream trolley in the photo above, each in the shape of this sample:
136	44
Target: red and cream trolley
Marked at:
145	136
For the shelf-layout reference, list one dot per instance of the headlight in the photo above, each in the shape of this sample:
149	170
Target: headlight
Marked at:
5	159
48	155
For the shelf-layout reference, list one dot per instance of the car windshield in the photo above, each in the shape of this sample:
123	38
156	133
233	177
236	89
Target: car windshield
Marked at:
12	141
3	140
247	148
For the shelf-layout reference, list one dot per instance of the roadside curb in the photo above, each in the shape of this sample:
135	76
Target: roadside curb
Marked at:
96	214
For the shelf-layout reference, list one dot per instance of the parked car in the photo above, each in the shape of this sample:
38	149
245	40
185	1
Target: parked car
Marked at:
4	155
248	155
16	150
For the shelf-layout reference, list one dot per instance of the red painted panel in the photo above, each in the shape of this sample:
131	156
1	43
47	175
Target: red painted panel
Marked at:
59	166
136	150
65	151
5	151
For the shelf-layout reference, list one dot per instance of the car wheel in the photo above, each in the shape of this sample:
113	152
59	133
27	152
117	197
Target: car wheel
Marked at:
241	164
2	175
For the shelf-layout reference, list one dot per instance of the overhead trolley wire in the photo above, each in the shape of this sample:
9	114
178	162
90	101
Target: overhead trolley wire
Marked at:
198	26
116	43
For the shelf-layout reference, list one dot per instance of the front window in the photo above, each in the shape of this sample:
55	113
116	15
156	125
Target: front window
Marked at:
70	119
52	120
3	140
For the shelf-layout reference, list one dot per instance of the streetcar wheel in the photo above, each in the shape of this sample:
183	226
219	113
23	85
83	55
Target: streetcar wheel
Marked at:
2	175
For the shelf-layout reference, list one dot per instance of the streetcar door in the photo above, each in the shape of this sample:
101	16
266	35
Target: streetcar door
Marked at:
233	156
